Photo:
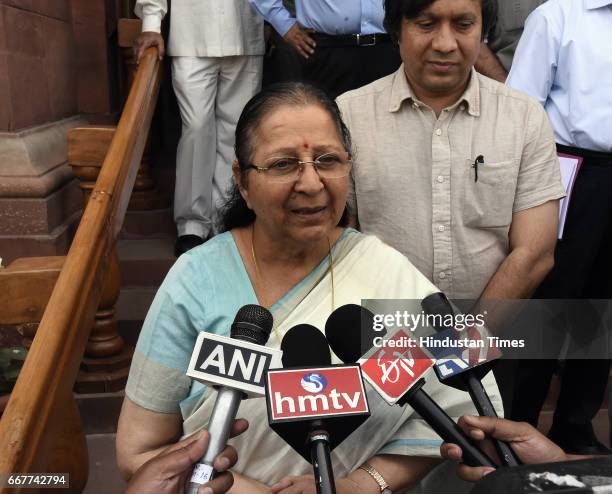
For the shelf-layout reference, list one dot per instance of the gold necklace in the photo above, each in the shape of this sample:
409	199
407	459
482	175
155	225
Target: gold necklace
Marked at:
331	271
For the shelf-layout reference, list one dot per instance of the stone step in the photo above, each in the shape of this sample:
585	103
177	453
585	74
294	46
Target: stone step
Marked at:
145	262
148	224
99	411
134	303
104	476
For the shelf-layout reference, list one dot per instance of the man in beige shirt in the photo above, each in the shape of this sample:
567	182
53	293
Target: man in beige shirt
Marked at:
455	170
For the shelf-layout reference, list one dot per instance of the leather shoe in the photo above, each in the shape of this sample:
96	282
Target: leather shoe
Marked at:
185	243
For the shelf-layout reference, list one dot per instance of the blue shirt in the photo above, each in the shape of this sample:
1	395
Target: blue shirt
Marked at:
325	16
564	60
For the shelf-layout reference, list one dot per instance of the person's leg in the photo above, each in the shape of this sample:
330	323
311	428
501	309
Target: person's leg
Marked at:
330	68
195	84
581	267
377	61
338	69
593	375
530	382
239	81
582	390
282	63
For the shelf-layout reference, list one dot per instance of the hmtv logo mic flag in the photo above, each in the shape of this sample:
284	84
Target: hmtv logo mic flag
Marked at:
315	393
395	366
334	395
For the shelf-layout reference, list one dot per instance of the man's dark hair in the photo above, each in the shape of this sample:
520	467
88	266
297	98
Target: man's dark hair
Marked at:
396	10
235	213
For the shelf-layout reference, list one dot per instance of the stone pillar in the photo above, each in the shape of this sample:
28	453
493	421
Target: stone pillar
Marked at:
56	64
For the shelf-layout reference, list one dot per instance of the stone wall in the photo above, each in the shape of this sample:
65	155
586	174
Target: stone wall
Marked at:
58	69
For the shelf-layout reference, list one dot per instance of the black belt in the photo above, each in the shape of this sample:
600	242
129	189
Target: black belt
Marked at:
323	39
585	153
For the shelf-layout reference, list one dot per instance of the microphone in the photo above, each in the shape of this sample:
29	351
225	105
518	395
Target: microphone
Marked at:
464	374
237	366
583	476
346	346
304	345
395	371
314	407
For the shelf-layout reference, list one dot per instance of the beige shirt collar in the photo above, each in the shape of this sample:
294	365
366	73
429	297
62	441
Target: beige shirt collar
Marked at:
401	91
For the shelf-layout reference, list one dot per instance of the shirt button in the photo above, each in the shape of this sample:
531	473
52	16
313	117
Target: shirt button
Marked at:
438	132
442	275
415	105
440	178
441	228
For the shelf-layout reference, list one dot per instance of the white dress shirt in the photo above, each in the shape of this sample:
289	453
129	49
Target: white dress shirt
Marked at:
206	28
564	60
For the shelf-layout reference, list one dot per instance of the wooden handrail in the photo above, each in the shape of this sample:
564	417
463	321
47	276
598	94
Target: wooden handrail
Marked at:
29	431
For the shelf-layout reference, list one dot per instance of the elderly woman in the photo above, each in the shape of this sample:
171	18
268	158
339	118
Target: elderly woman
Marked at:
285	247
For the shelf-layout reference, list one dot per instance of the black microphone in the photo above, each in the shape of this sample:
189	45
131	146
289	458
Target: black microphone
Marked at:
247	359
466	378
294	345
312	404
344	326
305	346
345	345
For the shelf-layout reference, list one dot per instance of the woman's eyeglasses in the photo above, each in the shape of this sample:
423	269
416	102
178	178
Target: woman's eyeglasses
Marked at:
289	169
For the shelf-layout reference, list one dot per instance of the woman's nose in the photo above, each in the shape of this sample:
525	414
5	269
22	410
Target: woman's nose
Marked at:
309	180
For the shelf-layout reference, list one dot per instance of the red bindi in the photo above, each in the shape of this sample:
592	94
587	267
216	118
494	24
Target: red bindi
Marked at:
306	145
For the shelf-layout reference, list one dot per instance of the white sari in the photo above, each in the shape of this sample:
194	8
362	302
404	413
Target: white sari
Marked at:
363	268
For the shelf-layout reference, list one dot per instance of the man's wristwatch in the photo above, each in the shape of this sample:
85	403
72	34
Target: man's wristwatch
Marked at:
375	474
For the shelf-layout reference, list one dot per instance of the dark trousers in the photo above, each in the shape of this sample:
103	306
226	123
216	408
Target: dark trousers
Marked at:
583	270
335	69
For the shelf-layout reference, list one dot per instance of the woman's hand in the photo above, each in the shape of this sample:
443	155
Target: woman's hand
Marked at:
295	484
527	442
246	485
305	484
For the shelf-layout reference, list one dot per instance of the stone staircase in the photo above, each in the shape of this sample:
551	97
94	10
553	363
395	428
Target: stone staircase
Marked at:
146	253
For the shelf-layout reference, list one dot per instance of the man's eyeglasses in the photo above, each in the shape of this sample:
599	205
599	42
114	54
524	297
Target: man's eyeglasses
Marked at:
288	169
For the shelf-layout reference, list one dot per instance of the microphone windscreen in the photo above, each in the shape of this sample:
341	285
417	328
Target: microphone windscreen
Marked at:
437	304
305	346
252	323
350	332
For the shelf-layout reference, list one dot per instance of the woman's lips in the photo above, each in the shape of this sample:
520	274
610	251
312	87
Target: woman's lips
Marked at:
310	212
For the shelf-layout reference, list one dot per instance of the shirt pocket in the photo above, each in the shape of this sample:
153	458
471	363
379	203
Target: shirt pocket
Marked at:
488	202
